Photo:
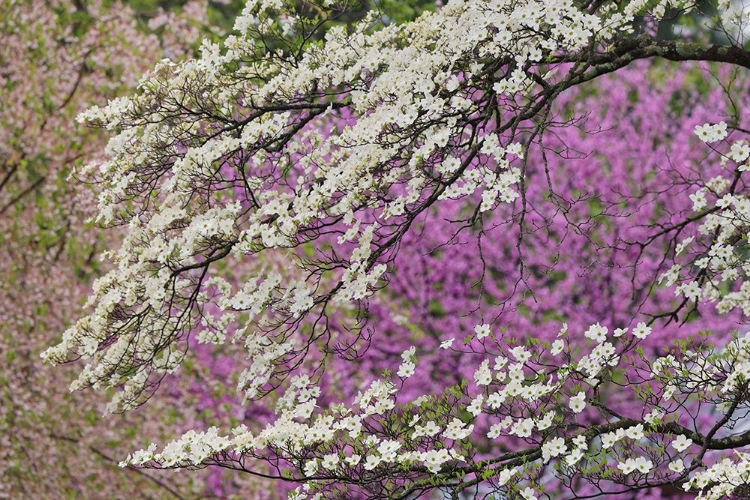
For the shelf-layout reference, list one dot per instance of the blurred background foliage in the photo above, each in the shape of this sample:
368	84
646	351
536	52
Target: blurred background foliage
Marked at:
222	13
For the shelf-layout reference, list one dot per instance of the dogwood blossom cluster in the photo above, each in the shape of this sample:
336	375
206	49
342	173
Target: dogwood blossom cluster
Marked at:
204	169
714	269
530	401
722	479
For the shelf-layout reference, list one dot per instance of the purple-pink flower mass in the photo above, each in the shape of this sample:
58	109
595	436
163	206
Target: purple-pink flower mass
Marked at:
497	250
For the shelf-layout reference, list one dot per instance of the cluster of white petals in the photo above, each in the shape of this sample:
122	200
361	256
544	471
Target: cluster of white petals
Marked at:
437	444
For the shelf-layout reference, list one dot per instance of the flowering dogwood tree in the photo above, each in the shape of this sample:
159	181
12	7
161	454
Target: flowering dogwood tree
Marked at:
270	188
